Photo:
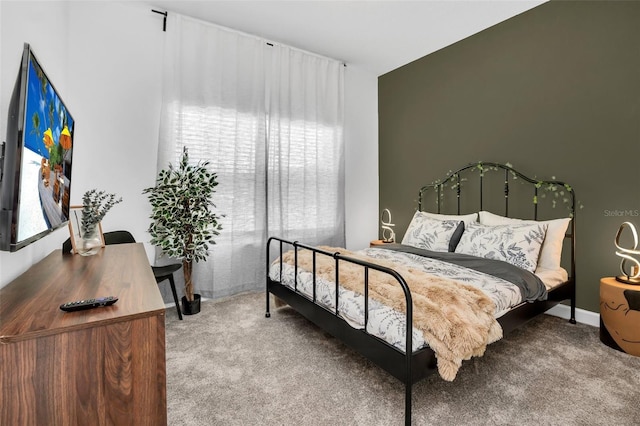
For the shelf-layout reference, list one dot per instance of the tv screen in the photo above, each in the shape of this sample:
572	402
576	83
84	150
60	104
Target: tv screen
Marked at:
38	152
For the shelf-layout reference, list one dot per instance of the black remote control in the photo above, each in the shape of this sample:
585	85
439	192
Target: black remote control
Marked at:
80	305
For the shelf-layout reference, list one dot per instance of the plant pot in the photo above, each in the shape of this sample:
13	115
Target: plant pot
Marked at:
191	308
89	244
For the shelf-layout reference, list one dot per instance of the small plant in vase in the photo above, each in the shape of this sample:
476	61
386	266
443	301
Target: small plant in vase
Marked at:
183	221
95	205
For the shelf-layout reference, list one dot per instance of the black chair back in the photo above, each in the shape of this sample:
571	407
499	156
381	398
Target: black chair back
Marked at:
118	237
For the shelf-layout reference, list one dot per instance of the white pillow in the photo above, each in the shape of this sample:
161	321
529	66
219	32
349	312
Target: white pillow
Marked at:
551	251
516	244
551	278
466	218
429	234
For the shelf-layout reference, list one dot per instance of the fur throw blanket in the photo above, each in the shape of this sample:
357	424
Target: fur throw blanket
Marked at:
456	319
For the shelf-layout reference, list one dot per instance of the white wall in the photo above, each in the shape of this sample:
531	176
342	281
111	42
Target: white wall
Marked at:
361	157
105	60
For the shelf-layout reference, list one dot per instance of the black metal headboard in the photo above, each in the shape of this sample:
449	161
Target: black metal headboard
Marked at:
455	181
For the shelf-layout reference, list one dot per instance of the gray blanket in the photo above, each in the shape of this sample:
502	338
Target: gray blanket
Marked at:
531	287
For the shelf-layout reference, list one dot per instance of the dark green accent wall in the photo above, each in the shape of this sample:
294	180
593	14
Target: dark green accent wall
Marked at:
554	91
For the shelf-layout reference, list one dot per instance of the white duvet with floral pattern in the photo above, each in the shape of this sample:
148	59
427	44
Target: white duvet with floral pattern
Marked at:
384	322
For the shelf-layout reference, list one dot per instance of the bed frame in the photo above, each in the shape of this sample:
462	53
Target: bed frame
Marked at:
411	367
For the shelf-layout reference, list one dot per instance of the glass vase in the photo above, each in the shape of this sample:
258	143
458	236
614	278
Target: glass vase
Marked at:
89	244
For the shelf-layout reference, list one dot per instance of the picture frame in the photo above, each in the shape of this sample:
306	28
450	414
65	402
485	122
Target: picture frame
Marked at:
75	218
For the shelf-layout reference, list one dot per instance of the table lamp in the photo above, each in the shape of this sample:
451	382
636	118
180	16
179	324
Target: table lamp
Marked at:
628	255
388	236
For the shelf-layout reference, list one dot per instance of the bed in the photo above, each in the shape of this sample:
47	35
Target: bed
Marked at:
456	282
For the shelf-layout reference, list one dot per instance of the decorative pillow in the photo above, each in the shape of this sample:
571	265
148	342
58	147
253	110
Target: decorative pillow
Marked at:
455	238
431	234
551	250
517	244
466	218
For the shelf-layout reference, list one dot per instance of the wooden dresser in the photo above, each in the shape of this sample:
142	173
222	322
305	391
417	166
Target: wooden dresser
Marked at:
103	366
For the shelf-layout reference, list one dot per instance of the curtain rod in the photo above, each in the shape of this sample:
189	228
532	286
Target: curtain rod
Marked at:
344	64
164	22
164	28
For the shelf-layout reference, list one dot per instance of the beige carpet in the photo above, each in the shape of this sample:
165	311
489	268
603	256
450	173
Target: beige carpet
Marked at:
229	365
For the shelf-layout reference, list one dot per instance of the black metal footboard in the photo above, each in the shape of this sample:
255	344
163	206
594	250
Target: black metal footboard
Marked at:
407	366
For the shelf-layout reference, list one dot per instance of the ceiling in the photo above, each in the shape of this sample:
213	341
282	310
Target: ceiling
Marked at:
378	36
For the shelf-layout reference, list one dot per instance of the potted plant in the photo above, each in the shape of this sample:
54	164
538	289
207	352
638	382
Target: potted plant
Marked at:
95	205
183	221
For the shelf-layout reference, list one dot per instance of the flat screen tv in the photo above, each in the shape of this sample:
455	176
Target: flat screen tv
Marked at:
36	159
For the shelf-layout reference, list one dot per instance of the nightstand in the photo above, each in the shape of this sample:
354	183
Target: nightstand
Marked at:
620	315
375	243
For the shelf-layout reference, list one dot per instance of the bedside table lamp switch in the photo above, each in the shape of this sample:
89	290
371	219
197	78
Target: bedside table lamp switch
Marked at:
388	236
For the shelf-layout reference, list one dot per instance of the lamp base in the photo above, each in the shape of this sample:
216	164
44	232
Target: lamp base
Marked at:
628	280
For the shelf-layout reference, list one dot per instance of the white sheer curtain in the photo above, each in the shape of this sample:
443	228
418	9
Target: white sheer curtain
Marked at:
269	118
305	149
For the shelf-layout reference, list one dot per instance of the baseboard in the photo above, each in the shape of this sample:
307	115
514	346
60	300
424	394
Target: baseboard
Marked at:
582	316
563	311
